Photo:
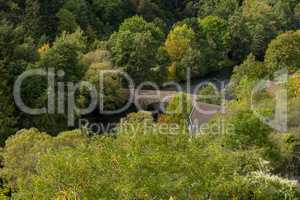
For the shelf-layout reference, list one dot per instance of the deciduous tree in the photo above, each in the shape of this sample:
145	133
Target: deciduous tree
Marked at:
284	52
134	47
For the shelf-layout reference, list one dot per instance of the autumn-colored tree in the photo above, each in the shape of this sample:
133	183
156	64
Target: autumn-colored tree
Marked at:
15	54
172	71
215	30
222	8
250	68
179	109
178	41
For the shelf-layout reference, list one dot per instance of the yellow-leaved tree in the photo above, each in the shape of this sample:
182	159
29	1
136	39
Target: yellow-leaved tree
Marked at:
178	41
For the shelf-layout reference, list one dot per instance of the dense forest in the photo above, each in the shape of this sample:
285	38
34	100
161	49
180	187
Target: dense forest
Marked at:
43	157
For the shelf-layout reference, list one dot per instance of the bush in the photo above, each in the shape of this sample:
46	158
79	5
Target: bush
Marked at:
210	94
23	150
248	130
136	123
179	109
250	68
259	186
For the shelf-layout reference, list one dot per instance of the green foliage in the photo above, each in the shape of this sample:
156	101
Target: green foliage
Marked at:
139	25
263	24
180	45
221	8
145	165
243	89
216	32
215	43
137	118
7	110
241	38
258	185
15	51
210	94
141	166
24	149
248	130
142	161
67	21
293	113
65	55
110	13
21	154
284	10
81	10
134	47
4	193
148	9
250	68
111	88
283	52
297	13
15	54
179	109
194	60
139	123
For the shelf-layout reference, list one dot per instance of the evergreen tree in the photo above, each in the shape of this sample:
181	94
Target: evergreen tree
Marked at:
8	120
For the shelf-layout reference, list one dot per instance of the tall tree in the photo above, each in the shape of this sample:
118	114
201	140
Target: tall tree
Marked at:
178	41
8	119
67	21
63	55
215	42
135	46
110	13
40	17
221	8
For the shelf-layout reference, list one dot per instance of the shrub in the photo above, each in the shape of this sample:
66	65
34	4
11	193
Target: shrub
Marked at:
210	94
21	154
142	166
178	110
248	130
259	186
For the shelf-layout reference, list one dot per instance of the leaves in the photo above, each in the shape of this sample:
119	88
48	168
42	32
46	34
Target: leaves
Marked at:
178	41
